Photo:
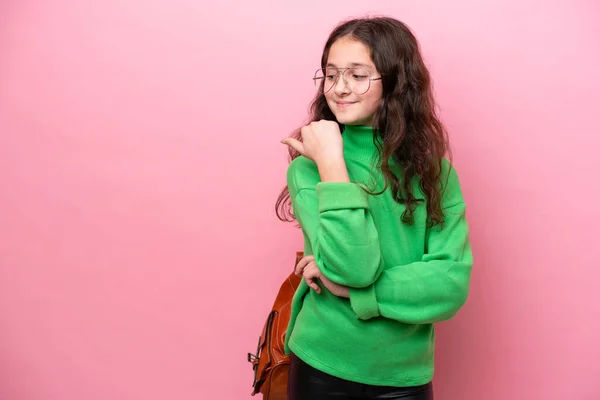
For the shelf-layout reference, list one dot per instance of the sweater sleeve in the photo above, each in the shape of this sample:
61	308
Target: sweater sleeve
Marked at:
335	219
430	290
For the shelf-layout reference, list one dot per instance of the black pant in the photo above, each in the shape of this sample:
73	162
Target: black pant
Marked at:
308	383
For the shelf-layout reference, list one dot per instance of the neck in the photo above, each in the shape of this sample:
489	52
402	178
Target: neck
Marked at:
358	142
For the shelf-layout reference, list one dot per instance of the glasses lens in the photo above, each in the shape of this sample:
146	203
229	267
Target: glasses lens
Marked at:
318	80
324	80
358	80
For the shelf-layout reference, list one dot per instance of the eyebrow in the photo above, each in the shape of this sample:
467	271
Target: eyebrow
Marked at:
351	65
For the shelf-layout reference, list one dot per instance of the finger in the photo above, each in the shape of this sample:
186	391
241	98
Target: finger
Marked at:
307	129
311	282
313	285
311	274
312	270
302	264
294	143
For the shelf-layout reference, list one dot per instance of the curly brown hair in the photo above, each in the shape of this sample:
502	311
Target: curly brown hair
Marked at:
406	120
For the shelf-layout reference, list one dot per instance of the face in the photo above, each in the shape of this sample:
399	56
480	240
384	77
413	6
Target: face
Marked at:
348	107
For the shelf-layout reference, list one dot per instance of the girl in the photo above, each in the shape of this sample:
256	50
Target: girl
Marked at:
383	218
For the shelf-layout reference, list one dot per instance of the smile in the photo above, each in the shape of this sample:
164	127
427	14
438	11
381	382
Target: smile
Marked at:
343	105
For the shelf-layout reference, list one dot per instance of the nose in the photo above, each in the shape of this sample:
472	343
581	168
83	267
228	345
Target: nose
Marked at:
340	86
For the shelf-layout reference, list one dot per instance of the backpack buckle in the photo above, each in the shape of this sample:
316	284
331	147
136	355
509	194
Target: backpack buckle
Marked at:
252	358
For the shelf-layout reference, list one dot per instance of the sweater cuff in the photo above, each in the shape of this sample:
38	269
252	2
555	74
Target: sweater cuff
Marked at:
364	302
341	196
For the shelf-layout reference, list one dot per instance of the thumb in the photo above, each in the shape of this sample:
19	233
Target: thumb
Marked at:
295	143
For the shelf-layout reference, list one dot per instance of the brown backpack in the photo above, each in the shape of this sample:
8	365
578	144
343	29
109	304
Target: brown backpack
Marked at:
270	363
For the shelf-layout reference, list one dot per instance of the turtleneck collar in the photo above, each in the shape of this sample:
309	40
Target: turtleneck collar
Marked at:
358	142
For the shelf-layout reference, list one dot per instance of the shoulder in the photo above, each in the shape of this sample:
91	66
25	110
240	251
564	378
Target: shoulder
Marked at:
302	173
450	184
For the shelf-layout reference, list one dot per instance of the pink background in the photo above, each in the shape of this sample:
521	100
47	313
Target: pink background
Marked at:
140	161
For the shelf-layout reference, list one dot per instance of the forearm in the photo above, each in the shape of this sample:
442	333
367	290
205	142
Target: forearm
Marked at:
341	231
417	293
430	290
333	170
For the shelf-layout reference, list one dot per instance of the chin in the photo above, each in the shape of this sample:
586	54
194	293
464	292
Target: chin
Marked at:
347	119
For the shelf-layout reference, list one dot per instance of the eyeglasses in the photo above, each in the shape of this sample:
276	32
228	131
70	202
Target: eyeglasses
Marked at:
358	79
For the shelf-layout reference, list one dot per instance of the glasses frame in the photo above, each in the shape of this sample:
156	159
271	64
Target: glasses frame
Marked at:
341	72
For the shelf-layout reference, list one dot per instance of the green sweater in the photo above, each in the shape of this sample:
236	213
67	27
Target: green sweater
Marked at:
402	279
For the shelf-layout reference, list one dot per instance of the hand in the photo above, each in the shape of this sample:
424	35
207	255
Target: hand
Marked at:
311	273
321	142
